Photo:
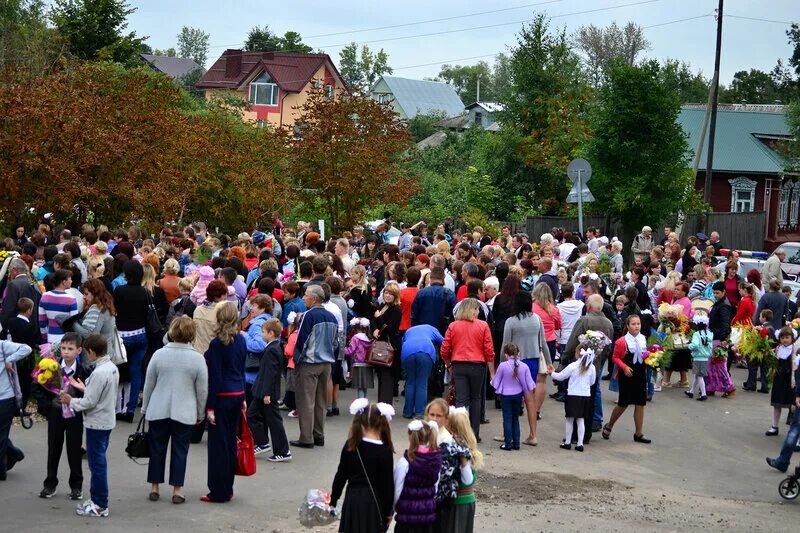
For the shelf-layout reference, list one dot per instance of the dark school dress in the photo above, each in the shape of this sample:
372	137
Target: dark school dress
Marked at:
632	390
782	392
360	513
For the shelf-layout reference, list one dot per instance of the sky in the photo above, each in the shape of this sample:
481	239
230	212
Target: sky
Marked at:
746	43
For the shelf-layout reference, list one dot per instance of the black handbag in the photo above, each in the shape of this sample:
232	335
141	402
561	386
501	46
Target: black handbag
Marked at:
138	446
153	326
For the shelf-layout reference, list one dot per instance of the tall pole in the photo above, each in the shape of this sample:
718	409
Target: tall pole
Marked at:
714	99
478	91
580	201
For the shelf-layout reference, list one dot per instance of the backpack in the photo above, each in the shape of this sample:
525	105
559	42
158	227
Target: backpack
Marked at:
177	308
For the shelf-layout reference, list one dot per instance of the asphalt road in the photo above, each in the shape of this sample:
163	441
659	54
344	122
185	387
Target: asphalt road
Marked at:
704	469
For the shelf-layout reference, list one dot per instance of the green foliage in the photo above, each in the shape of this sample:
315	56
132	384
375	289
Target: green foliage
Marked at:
495	79
793	118
94	29
360	73
602	46
168	52
264	40
193	42
639	153
26	41
793	33
752	87
423	126
678	77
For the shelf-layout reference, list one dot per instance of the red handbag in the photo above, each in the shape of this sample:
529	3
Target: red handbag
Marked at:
245	449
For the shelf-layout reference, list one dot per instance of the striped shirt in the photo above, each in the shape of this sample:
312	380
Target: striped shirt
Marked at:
54	308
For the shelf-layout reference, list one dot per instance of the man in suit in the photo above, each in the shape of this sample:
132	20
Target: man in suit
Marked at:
20	285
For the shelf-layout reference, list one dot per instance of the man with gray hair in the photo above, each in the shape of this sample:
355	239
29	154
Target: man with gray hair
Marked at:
315	352
594	320
20	285
438	260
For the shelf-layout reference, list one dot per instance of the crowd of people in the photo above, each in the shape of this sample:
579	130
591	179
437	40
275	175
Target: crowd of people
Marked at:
200	332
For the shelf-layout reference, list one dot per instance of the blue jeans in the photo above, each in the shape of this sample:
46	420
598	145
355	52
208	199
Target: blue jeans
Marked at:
598	403
96	446
136	346
418	368
790	442
651	387
511	408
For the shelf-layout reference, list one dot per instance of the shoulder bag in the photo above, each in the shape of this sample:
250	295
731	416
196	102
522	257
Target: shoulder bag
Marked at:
138	446
153	325
245	449
24	418
381	522
119	355
381	354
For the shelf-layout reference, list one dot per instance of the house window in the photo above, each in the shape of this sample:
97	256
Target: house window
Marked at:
783	205
330	91
263	91
794	206
478	118
743	195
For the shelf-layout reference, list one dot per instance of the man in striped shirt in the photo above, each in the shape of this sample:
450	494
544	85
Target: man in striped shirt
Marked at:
56	306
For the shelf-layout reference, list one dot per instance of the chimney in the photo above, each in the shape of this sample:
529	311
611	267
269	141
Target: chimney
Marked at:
233	63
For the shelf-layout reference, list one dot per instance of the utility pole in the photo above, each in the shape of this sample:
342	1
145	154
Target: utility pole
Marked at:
714	99
478	91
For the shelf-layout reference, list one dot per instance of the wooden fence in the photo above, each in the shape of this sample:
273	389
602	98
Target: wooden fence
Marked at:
536	226
741	231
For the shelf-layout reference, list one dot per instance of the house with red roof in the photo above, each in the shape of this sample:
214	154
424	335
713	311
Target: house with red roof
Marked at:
275	83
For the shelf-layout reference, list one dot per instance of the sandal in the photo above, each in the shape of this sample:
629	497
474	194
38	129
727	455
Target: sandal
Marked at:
530	441
606	432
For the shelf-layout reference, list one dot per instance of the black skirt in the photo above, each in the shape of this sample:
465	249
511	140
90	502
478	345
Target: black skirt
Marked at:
681	361
576	406
782	392
632	390
359	512
414	528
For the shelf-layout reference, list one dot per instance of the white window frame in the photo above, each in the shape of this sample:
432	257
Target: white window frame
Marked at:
257	86
794	206
742	184
478	119
783	204
329	91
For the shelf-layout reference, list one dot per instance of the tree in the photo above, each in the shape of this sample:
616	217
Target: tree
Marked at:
793	118
360	73
639	154
423	126
501	76
264	40
601	46
752	87
350	156
26	42
464	78
547	106
94	29
193	42
169	52
793	33
678	78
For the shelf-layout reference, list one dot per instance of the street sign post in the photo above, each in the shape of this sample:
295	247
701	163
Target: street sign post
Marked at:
580	171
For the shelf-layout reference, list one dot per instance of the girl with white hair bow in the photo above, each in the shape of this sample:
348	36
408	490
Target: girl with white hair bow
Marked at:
581	375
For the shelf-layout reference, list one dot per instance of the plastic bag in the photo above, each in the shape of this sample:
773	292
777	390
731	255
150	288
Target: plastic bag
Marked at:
315	510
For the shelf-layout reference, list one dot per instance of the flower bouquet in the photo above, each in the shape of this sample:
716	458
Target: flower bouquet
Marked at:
720	354
596	340
47	373
657	356
675	324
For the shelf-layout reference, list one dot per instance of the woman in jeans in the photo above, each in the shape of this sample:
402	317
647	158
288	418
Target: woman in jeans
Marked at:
468	351
525	330
174	400
130	301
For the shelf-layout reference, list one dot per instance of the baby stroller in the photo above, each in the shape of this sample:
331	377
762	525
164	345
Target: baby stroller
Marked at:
789	488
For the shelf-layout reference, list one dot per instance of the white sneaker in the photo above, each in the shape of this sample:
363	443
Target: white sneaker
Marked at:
89	508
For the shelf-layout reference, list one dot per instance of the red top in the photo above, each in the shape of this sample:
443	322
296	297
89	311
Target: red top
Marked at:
468	341
620	349
732	291
407	296
461	293
744	313
551	322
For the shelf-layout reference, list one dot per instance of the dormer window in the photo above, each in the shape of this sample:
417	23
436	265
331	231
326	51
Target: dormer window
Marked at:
263	91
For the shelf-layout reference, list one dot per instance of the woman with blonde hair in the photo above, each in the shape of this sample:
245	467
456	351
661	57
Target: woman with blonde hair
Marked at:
467	352
386	325
225	357
169	281
155	292
360	293
443	249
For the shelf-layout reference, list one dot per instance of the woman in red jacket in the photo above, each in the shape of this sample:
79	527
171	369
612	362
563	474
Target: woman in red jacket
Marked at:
468	352
747	305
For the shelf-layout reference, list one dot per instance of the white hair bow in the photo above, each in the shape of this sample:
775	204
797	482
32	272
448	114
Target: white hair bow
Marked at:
351	303
457	410
700	319
433	425
415	425
588	356
290	317
387	411
358	406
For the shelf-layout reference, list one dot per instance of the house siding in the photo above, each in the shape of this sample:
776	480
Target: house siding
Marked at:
382	88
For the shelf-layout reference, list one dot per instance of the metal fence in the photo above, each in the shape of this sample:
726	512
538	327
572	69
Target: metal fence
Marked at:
536	226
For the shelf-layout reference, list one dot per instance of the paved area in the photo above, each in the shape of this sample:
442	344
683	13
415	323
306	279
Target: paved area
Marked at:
705	469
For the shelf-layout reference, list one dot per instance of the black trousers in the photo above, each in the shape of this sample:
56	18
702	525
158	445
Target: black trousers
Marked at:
9	454
161	433
469	380
59	430
265	420
752	370
222	447
385	383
